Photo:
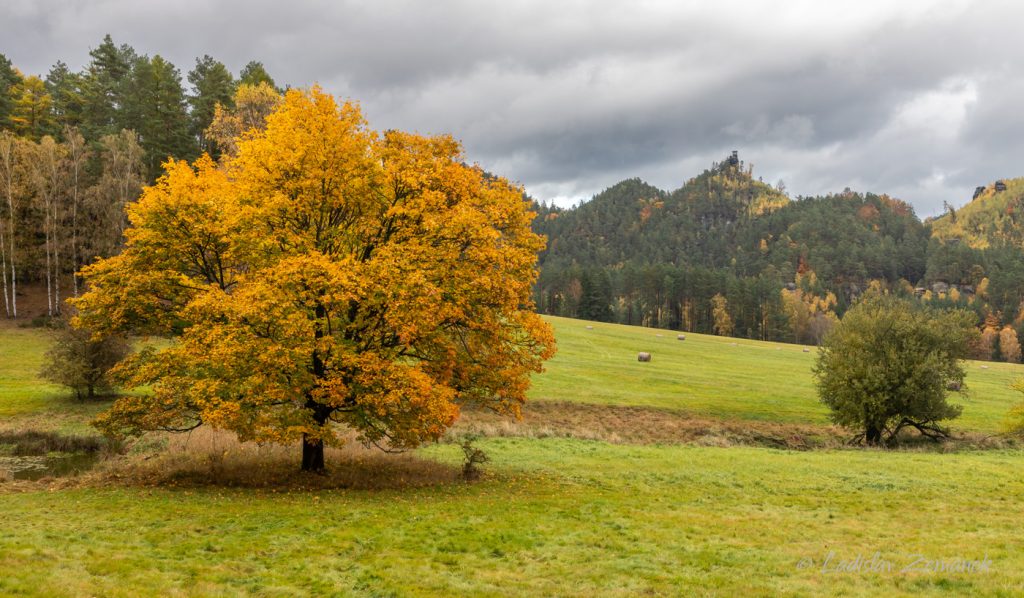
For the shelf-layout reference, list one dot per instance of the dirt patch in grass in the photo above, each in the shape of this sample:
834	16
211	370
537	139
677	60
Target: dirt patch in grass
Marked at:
645	425
650	425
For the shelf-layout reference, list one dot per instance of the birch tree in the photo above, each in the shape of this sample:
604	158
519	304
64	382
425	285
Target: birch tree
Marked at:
77	157
44	170
8	164
119	184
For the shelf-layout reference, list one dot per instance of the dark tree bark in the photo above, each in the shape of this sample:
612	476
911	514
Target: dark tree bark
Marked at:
873	434
312	455
313	450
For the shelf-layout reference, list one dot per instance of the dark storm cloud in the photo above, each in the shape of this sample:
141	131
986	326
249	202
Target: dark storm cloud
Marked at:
918	98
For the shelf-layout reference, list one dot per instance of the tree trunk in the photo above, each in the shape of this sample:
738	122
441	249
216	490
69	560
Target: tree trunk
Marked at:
49	284
312	455
56	262
3	269
76	160
313	450
873	434
14	266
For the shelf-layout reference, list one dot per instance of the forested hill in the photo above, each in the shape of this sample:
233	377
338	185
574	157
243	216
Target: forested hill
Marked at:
633	221
995	216
729	254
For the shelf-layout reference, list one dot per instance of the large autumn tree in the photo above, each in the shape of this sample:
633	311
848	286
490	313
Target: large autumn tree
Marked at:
325	277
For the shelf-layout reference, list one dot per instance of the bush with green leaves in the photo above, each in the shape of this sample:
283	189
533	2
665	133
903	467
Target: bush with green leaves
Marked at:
81	362
887	367
1014	423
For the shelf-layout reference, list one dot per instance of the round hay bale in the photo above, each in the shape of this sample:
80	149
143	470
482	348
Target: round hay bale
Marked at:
681	337
643	356
590	327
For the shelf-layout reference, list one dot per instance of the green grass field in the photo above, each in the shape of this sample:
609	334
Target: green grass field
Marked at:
21	356
552	516
724	377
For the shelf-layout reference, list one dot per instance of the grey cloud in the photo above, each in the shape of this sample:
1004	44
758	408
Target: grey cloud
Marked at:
570	97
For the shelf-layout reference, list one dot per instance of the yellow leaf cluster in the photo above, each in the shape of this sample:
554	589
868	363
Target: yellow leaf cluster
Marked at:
324	273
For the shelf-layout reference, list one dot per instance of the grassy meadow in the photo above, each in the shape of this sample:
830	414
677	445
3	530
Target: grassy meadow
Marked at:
552	516
724	377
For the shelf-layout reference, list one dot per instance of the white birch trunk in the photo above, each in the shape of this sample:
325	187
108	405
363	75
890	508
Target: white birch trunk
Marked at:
7	163
3	270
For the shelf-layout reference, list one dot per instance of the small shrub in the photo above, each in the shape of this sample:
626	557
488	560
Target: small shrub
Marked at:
1014	424
474	458
82	363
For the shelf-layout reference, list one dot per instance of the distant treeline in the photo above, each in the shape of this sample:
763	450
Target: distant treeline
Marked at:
77	147
728	254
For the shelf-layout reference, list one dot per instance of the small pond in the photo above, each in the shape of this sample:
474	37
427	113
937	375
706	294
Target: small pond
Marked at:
38	467
33	455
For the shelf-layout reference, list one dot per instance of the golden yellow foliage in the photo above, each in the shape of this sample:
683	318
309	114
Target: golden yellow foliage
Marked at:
1009	345
982	290
30	115
720	311
252	105
810	316
325	273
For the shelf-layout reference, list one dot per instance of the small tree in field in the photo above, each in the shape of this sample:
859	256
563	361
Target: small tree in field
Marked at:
720	311
887	366
323	274
82	363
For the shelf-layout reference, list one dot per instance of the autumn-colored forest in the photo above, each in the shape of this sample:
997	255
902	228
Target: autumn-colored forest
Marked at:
77	147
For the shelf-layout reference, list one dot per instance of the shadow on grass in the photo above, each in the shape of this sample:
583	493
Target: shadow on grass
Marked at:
212	458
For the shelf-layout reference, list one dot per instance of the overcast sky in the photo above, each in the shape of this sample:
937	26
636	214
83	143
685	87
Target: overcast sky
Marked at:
919	99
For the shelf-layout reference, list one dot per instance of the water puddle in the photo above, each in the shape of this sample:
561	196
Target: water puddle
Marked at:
38	467
33	454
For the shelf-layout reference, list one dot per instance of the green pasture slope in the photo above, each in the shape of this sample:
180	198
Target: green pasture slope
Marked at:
554	516
21	357
724	377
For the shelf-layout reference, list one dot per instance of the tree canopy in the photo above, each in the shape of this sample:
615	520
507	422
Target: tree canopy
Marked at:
888	364
324	274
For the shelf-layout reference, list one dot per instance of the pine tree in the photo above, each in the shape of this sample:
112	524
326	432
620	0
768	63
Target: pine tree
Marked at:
8	77
158	113
596	296
103	89
212	84
254	74
65	89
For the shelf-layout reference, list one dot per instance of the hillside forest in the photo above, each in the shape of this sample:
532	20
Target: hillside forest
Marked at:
725	253
731	255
